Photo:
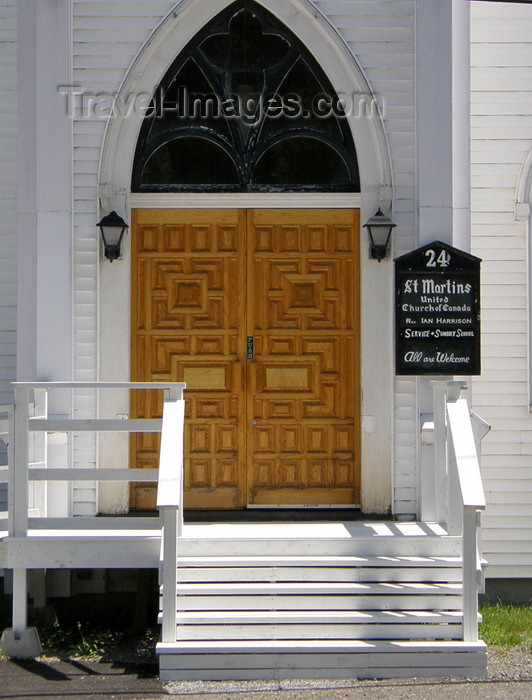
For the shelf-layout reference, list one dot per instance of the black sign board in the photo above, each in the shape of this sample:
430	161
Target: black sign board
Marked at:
437	318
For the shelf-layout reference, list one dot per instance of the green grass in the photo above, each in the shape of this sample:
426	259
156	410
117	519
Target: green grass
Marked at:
506	625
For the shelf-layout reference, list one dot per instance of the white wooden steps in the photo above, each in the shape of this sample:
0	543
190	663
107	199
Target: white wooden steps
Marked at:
329	600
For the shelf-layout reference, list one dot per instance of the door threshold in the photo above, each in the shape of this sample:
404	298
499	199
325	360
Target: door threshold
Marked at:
280	506
277	514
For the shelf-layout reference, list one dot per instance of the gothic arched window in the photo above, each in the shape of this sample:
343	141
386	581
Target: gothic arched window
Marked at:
245	108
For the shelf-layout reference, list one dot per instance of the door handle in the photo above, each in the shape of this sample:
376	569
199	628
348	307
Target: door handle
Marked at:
250	348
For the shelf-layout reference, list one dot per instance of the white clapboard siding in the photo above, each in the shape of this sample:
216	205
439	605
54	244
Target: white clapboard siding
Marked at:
501	131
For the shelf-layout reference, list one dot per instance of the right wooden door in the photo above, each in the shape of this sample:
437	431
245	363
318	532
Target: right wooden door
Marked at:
303	396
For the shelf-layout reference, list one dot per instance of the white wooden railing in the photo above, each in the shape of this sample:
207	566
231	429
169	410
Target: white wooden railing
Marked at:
452	491
25	427
28	455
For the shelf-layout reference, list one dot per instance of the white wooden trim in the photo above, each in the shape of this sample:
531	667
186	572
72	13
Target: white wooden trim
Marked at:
76	425
77	474
180	386
110	527
247	200
123	550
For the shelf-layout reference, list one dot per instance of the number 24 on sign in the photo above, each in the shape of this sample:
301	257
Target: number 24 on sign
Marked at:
442	260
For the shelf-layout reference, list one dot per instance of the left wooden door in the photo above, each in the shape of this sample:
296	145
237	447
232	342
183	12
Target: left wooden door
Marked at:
188	325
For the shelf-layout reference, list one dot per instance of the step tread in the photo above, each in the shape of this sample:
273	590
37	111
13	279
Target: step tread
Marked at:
318	646
322	531
318	616
274	574
316	588
318	561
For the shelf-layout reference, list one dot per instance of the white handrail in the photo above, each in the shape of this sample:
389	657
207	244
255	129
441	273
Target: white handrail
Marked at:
465	452
451	485
465	502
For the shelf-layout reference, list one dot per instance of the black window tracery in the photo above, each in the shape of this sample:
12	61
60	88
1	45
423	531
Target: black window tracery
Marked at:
243	108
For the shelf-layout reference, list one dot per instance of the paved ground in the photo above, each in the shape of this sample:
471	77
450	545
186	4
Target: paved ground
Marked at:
510	676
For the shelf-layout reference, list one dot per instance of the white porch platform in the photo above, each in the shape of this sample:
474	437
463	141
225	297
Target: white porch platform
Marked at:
132	542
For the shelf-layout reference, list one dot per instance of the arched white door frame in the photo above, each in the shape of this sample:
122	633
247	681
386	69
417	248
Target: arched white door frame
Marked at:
347	78
173	34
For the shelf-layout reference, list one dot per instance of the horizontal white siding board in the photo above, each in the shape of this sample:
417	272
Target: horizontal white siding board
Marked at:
492	523
501	570
516	474
484	84
501	510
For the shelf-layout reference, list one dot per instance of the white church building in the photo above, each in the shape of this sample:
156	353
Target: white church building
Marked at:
322	515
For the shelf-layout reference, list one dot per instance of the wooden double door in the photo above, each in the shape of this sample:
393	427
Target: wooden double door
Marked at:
258	312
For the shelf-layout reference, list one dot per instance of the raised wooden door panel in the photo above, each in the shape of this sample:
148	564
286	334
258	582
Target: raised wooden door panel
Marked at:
281	428
188	325
303	313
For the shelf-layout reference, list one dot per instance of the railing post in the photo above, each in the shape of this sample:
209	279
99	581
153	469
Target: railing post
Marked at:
172	396
469	576
169	578
454	495
454	500
170	504
38	455
20	595
10	469
441	484
20	641
19	497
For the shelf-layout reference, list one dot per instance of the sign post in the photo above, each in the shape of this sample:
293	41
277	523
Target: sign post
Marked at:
437	319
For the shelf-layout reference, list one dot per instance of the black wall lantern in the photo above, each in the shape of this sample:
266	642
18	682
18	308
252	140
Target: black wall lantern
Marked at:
112	228
379	230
